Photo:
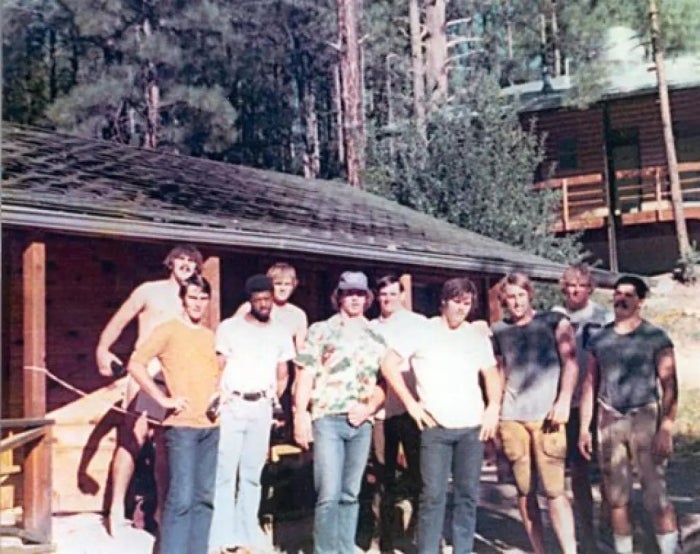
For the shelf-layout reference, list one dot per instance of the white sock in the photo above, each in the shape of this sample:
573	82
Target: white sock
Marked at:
668	542
623	544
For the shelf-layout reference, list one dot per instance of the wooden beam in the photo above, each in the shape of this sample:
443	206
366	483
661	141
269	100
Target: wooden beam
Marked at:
37	464
407	283
495	308
211	271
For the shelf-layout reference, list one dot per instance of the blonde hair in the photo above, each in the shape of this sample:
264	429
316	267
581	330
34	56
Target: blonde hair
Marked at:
282	269
519	279
579	268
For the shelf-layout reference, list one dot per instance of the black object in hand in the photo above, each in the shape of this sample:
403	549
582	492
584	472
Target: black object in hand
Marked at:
118	370
213	409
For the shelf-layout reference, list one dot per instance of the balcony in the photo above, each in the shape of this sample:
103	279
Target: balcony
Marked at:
641	196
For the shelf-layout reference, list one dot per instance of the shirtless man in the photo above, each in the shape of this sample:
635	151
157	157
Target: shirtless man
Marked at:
152	303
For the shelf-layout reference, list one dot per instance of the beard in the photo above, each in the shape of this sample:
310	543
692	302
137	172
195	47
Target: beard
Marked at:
260	316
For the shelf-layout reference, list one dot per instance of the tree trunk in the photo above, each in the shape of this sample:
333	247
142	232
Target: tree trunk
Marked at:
152	98
669	142
436	51
312	150
417	67
338	102
351	90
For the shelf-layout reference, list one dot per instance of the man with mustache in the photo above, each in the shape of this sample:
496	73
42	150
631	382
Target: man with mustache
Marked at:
253	351
631	360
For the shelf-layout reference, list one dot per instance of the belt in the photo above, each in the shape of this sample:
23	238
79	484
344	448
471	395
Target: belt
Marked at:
250	396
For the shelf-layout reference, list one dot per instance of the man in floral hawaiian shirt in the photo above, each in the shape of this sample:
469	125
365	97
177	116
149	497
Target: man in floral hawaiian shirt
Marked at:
337	379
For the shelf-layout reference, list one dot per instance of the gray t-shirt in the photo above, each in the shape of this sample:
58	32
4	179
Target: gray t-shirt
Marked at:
532	366
627	365
586	322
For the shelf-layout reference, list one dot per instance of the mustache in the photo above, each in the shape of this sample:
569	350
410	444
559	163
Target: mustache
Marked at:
621	304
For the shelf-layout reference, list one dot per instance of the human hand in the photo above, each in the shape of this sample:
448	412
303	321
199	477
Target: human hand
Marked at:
303	435
662	445
177	404
585	444
422	418
105	359
358	414
489	423
559	412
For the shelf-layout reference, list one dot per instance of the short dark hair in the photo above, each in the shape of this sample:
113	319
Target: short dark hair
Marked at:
195	280
184	250
640	287
258	283
456	287
388	280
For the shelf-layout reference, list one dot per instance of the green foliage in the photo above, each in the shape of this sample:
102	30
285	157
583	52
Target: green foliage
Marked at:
476	171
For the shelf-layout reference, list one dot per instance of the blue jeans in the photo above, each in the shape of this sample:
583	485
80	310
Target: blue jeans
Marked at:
340	457
189	503
442	450
243	446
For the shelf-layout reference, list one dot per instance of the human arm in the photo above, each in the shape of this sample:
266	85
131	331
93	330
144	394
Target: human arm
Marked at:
566	346
585	441
391	370
662	446
131	307
282	374
302	396
301	331
140	374
493	385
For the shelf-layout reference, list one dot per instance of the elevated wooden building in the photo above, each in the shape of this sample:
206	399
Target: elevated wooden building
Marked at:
609	161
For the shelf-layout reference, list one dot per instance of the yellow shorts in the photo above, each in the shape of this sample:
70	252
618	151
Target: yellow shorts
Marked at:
625	442
534	452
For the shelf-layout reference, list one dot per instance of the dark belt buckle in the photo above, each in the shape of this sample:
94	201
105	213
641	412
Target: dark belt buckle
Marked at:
253	396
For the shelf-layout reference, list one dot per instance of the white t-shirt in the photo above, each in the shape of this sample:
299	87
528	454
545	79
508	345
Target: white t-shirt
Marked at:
447	363
398	330
252	353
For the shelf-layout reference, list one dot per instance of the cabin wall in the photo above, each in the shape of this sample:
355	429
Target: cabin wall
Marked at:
586	127
87	279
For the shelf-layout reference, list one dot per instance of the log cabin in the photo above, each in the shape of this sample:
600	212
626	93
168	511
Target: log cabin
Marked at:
608	160
85	221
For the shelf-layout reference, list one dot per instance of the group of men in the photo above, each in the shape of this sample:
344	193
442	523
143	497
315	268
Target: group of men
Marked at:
441	387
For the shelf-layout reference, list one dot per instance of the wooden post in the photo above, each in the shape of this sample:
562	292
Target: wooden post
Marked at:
211	271
407	283
37	464
565	202
495	309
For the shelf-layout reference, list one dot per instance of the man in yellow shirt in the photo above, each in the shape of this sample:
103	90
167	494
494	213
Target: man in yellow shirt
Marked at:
187	353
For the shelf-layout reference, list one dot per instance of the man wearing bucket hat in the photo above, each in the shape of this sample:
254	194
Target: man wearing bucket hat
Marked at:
337	380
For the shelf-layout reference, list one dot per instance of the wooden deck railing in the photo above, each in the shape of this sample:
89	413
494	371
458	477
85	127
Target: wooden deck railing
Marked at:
30	435
641	196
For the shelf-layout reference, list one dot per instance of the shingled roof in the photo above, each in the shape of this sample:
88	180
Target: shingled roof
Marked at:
71	184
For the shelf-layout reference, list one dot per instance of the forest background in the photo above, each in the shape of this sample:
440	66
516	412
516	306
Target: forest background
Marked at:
402	97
